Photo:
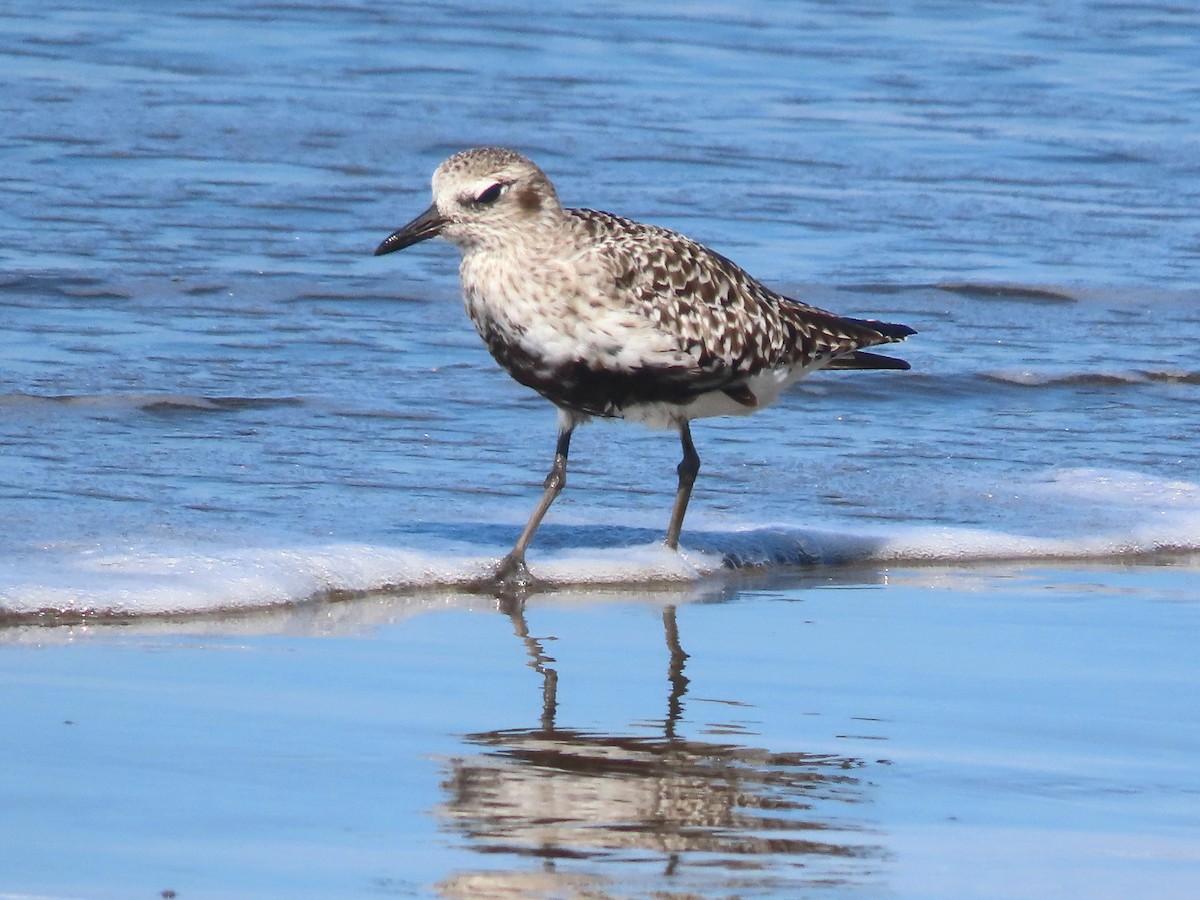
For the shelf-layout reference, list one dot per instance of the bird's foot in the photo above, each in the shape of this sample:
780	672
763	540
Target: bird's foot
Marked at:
512	575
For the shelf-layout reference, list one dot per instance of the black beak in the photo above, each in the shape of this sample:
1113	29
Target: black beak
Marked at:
428	224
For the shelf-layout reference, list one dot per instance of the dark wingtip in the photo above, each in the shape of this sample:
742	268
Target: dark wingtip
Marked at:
891	330
387	246
899	332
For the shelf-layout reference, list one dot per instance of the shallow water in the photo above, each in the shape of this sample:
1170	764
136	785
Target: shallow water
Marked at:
215	399
944	732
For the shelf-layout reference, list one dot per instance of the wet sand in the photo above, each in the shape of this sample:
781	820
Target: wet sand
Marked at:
987	731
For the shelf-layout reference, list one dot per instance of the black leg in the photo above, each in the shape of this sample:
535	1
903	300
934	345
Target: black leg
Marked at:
687	469
512	570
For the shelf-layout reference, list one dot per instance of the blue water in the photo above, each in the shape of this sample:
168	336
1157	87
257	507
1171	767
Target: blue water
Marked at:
212	396
208	377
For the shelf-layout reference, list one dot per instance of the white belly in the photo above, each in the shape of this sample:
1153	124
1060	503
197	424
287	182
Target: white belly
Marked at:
766	387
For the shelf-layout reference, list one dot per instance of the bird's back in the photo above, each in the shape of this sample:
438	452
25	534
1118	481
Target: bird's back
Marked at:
730	323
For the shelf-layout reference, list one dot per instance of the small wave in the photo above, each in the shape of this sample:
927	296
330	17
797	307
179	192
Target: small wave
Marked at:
70	285
93	586
781	546
1012	292
1032	378
85	585
61	583
146	402
1171	376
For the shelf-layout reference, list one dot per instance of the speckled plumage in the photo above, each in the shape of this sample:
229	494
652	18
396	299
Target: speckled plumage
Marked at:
609	317
723	328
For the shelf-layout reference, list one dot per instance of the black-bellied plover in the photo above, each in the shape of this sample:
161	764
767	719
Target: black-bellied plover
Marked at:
608	317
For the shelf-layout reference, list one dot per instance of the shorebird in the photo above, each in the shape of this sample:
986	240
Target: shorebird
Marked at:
604	316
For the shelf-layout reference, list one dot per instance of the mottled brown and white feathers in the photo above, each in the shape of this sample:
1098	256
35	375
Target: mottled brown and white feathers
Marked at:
727	319
606	316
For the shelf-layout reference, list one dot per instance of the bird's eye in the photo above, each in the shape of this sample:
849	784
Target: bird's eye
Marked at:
491	195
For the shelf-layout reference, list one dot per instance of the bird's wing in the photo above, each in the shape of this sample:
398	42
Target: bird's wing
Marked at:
728	323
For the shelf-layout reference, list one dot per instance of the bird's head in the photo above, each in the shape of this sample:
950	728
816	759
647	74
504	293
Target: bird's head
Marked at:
482	197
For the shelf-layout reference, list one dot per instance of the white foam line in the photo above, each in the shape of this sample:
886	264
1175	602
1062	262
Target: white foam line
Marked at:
149	583
155	581
790	546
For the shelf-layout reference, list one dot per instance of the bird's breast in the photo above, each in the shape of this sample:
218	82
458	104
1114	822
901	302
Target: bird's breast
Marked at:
562	308
564	334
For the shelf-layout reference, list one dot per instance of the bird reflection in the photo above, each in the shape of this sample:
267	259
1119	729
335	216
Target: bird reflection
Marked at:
675	677
574	813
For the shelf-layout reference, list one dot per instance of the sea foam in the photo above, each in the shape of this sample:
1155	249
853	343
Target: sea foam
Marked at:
65	581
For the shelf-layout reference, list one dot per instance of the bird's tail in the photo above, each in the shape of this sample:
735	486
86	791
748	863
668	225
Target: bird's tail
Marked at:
889	332
861	359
